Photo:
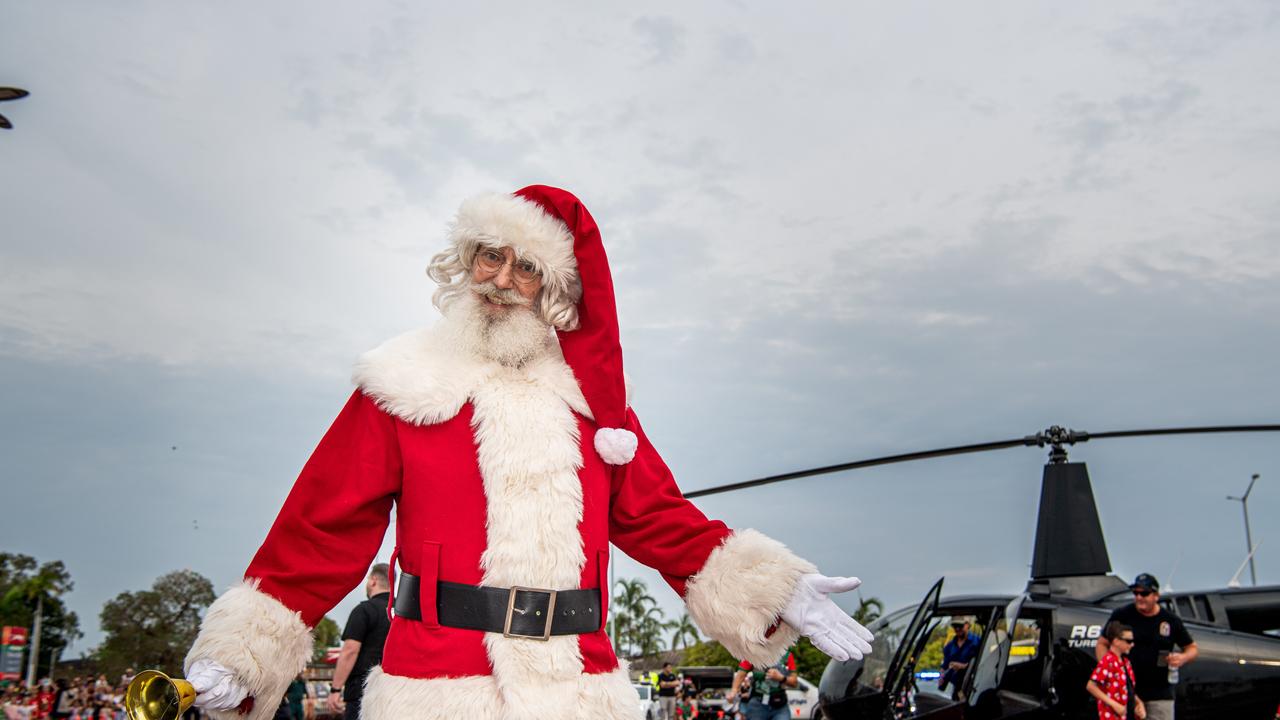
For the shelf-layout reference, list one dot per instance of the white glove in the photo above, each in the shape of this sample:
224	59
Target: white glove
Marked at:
216	687
815	615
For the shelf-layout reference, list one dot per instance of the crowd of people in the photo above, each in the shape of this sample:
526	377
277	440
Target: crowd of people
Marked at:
89	698
78	698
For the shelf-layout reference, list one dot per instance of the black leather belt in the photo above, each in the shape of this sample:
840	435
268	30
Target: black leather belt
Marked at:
515	612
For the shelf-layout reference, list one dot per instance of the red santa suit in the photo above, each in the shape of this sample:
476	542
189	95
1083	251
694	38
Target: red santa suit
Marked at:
494	478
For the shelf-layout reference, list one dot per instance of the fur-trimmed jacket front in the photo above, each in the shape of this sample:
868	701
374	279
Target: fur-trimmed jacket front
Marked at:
494	481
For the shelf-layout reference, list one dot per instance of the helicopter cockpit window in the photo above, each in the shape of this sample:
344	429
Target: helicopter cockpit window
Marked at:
949	654
875	666
1025	669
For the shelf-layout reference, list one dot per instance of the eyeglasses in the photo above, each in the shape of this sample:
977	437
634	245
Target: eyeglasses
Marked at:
1142	593
1126	639
492	260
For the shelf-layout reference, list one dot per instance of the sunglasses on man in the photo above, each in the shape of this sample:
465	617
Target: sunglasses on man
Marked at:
1143	593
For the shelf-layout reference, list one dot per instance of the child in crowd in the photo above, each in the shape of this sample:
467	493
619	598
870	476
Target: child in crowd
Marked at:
1112	680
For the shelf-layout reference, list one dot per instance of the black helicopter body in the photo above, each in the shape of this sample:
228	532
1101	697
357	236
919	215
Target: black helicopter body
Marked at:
1041	672
1036	649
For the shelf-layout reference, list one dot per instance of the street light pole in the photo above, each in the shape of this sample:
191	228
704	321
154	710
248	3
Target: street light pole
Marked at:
1248	538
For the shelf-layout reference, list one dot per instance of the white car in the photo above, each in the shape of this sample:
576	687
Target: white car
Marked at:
649	701
802	700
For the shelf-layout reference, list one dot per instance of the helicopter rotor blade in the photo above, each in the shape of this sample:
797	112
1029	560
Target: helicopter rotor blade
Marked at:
1054	436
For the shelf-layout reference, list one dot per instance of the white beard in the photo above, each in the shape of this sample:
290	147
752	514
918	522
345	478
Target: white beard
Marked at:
511	339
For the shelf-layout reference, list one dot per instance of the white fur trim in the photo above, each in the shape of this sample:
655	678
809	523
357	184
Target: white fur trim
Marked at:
741	591
617	446
259	639
424	378
506	220
606	696
529	454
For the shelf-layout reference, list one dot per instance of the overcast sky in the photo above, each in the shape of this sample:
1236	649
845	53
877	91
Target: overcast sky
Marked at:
838	230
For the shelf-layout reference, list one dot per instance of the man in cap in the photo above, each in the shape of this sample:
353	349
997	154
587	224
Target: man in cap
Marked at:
1155	633
957	653
503	439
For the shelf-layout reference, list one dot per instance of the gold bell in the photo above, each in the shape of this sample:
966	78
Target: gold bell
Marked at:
155	696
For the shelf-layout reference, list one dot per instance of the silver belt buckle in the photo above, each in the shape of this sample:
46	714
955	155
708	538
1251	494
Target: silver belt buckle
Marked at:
511	606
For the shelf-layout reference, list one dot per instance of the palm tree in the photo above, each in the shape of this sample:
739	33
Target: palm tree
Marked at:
634	616
49	583
649	628
684	630
869	609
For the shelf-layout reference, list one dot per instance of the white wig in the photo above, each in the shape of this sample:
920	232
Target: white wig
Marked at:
509	221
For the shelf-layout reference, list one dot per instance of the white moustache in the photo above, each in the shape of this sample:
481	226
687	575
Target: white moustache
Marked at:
499	296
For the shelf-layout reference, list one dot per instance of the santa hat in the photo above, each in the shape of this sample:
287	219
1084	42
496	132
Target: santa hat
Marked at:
554	227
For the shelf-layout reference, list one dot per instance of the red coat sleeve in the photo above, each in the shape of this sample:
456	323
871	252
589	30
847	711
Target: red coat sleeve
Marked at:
332	524
650	519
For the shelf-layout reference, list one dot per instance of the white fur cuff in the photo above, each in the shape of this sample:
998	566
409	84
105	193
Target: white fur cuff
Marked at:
256	637
740	592
616	445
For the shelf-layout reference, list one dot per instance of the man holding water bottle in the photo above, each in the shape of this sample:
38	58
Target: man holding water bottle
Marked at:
1156	632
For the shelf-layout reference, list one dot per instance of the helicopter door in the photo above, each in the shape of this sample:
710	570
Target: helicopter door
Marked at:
900	679
993	659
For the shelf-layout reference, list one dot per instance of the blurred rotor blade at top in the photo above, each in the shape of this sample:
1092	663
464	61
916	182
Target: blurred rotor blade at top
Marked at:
10	93
1055	437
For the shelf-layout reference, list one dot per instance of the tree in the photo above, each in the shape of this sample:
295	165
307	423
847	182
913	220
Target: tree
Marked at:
638	620
327	634
648	629
869	610
684	629
810	661
28	591
709	653
154	628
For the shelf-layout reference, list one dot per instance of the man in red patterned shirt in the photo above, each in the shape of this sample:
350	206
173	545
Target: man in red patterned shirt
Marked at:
1112	680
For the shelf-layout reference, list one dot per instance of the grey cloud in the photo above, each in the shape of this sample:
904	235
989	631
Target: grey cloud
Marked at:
1190	30
435	145
737	49
663	37
701	153
1092	126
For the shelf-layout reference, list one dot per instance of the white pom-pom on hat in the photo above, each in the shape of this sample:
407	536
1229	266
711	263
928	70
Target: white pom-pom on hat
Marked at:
616	446
593	351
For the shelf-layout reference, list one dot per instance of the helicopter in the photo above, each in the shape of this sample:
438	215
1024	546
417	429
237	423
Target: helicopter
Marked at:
1036	649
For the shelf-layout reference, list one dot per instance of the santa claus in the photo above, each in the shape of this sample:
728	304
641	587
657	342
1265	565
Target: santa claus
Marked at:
503	439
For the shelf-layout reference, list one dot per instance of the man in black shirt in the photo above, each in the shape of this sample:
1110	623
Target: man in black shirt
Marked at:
1155	633
362	641
667	684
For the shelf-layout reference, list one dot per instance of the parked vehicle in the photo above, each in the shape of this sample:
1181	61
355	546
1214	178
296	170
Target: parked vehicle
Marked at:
648	701
803	700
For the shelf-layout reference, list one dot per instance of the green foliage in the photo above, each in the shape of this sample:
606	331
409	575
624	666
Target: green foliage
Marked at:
709	653
869	610
931	654
154	628
638	623
327	634
684	630
810	661
24	586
